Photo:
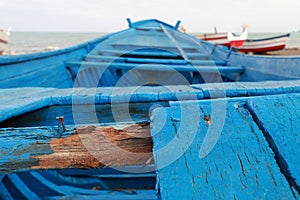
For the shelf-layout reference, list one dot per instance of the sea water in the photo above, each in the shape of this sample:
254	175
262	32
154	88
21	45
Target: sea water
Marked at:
27	42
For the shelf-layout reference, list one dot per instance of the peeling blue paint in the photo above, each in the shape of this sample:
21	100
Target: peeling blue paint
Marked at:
231	140
240	165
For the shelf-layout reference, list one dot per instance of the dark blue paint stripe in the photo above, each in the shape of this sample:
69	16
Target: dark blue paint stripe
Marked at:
26	192
269	38
156	67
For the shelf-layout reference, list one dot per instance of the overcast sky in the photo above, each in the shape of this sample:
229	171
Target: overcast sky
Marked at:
110	15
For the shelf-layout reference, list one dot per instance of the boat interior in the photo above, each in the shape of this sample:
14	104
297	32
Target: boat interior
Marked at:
147	74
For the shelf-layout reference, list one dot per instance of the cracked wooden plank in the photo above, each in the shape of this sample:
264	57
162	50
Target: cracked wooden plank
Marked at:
279	119
86	147
240	164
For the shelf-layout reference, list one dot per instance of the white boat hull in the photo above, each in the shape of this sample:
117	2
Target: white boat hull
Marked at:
264	45
4	37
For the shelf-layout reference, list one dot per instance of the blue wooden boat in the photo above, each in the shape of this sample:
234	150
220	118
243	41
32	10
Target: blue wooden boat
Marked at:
80	122
258	67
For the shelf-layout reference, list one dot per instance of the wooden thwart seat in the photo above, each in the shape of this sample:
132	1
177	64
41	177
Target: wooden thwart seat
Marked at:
153	60
146	53
155	67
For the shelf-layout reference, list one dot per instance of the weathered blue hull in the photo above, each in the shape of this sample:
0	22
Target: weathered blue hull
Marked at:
176	50
81	122
103	183
258	67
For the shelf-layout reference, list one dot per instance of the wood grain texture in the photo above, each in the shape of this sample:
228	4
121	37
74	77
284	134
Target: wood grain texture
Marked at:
17	101
279	118
85	147
241	165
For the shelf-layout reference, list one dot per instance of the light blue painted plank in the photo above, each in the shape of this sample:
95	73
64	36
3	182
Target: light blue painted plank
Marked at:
21	100
279	117
53	76
152	60
236	89
22	68
164	44
18	101
149	53
239	166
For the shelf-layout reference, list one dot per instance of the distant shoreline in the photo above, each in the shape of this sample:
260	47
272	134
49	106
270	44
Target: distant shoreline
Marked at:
283	52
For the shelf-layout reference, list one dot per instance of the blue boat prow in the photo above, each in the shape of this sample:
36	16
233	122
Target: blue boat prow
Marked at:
146	47
80	122
151	23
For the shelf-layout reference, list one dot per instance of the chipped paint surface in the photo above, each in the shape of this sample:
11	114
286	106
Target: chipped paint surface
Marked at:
237	166
86	147
242	162
29	99
18	145
279	119
230	151
94	147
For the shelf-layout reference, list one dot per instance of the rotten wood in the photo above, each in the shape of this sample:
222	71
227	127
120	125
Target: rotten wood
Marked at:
93	146
87	147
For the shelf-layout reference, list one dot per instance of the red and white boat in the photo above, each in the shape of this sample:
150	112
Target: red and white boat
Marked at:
265	44
226	39
237	41
4	37
215	38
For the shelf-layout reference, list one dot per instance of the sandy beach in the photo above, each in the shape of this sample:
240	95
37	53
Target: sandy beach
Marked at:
285	52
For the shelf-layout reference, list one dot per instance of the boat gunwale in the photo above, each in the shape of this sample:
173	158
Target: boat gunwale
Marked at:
268	38
13	59
19	58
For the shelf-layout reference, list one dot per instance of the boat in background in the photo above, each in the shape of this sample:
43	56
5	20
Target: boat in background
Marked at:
244	44
4	37
151	42
257	67
265	44
136	114
262	45
226	39
215	38
237	41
